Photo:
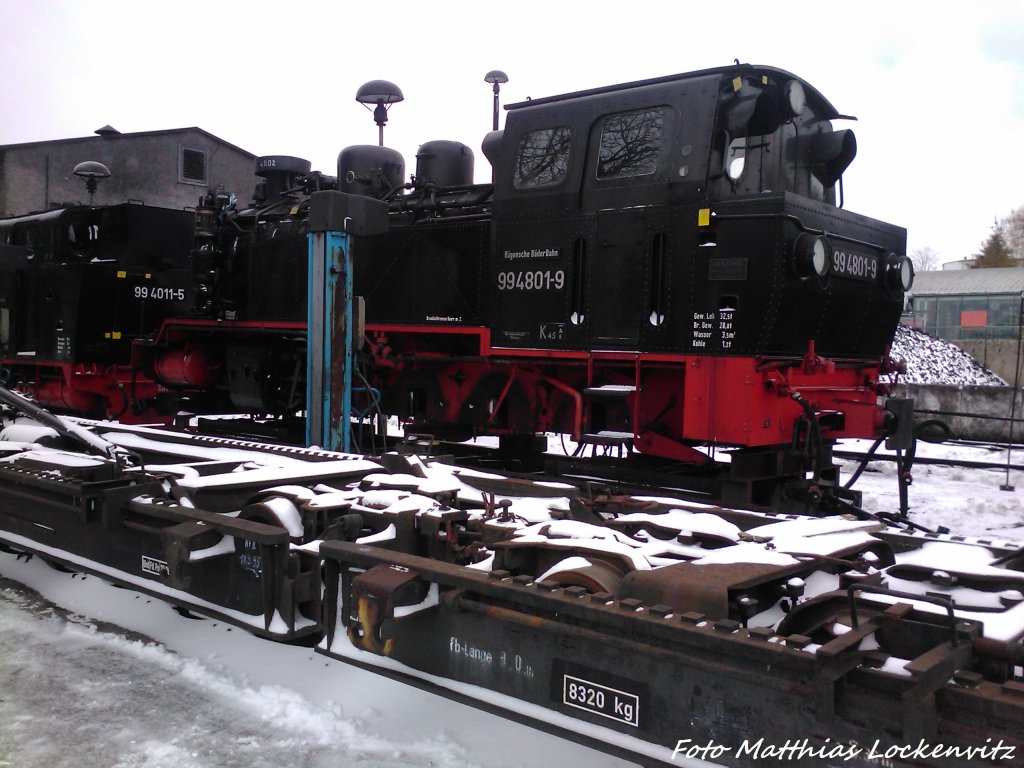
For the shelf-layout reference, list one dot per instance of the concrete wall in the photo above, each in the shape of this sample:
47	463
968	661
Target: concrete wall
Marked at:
998	355
970	413
144	167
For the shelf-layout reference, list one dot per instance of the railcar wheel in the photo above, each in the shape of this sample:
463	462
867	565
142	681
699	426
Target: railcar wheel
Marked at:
57	565
279	510
593	575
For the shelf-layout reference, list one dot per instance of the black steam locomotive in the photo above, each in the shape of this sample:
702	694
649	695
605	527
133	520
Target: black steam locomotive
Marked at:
656	265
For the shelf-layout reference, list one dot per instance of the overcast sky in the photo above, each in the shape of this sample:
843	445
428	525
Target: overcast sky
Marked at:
937	87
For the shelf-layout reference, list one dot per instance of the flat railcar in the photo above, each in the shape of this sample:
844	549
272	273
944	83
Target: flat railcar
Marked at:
660	630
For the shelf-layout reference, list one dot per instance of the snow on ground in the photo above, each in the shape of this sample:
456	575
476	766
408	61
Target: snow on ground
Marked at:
79	692
125	702
969	502
933	361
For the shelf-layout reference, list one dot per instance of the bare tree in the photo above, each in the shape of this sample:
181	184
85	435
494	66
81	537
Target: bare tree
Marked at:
924	259
1013	230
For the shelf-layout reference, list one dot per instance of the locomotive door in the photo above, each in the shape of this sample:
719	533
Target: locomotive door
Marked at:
616	292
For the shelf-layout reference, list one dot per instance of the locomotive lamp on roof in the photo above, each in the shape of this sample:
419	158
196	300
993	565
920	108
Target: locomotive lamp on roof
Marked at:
92	172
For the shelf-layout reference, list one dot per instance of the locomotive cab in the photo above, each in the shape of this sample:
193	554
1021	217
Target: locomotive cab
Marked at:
595	174
682	235
87	277
652	206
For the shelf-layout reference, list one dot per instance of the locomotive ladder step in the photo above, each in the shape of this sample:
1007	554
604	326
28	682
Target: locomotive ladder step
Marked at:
607	437
610	390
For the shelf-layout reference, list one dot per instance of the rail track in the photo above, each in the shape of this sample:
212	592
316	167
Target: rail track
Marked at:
1005	462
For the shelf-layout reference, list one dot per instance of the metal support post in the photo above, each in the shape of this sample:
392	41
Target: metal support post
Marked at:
1008	486
336	219
329	341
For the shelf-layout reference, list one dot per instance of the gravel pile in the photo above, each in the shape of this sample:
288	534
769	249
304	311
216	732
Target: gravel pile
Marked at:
933	361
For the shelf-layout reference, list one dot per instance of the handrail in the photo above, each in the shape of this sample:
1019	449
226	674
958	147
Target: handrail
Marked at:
944	602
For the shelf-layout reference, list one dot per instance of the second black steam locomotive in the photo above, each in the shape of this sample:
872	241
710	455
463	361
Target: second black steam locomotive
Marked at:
660	264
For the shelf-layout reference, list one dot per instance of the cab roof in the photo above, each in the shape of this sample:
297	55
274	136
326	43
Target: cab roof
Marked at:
822	105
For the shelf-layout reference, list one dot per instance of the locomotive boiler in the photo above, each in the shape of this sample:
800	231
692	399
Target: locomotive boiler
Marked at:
655	267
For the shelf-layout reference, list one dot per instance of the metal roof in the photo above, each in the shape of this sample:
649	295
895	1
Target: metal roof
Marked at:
955	282
118	136
732	70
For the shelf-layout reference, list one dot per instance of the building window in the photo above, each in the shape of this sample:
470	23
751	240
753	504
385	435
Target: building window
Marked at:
973	317
924	313
1004	316
192	168
948	325
967	317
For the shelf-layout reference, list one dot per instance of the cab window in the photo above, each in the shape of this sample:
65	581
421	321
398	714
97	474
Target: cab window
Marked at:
82	236
543	158
736	158
630	143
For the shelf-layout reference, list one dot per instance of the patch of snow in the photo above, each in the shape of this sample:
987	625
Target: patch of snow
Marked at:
25	431
567	564
62	458
212	695
272	475
697	523
388	534
287	514
225	546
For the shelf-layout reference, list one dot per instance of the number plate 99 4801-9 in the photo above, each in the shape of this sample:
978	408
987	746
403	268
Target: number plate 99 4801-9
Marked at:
859	266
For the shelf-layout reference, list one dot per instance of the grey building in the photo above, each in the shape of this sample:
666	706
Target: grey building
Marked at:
169	168
968	303
979	310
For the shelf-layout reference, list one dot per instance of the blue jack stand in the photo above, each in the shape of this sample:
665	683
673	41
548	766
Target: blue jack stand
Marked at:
335	220
329	347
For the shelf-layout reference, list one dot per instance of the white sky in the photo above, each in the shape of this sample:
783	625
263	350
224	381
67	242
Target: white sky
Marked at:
938	86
